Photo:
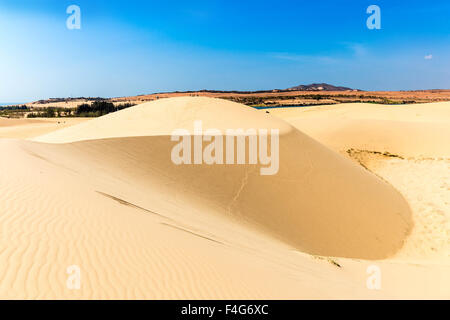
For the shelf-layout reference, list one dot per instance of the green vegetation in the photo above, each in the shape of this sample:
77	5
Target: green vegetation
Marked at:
13	111
51	112
96	109
22	107
319	98
99	108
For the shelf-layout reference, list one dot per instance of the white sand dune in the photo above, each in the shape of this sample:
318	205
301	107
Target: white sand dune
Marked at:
407	145
104	195
369	218
419	130
30	128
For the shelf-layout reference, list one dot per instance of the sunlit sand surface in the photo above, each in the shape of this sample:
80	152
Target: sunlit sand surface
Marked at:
358	185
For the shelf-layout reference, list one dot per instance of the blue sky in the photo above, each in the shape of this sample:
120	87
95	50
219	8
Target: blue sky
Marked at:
136	47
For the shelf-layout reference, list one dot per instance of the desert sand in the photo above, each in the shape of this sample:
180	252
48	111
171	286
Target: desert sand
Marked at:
359	186
29	128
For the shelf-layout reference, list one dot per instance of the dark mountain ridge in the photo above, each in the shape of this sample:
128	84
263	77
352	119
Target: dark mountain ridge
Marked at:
320	87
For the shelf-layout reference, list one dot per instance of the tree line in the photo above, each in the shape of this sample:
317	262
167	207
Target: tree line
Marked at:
96	109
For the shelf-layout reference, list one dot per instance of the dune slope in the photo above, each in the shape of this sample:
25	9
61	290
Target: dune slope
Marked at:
318	202
408	146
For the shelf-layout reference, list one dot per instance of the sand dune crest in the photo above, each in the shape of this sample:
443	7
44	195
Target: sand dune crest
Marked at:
318	202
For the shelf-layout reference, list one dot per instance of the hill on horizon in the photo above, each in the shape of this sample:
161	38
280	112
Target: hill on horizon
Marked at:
320	87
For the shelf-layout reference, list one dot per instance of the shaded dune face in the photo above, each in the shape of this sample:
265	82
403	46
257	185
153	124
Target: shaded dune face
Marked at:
318	202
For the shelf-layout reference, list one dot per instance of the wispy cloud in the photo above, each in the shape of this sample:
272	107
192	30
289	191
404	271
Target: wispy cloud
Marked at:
357	49
353	51
301	58
428	57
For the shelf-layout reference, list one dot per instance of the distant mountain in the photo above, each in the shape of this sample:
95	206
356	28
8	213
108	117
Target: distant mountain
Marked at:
320	87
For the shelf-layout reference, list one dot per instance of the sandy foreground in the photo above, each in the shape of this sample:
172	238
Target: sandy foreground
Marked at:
360	187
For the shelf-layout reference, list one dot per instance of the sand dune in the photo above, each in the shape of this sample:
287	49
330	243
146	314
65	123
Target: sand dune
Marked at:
369	218
408	146
6	122
104	195
30	128
419	130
